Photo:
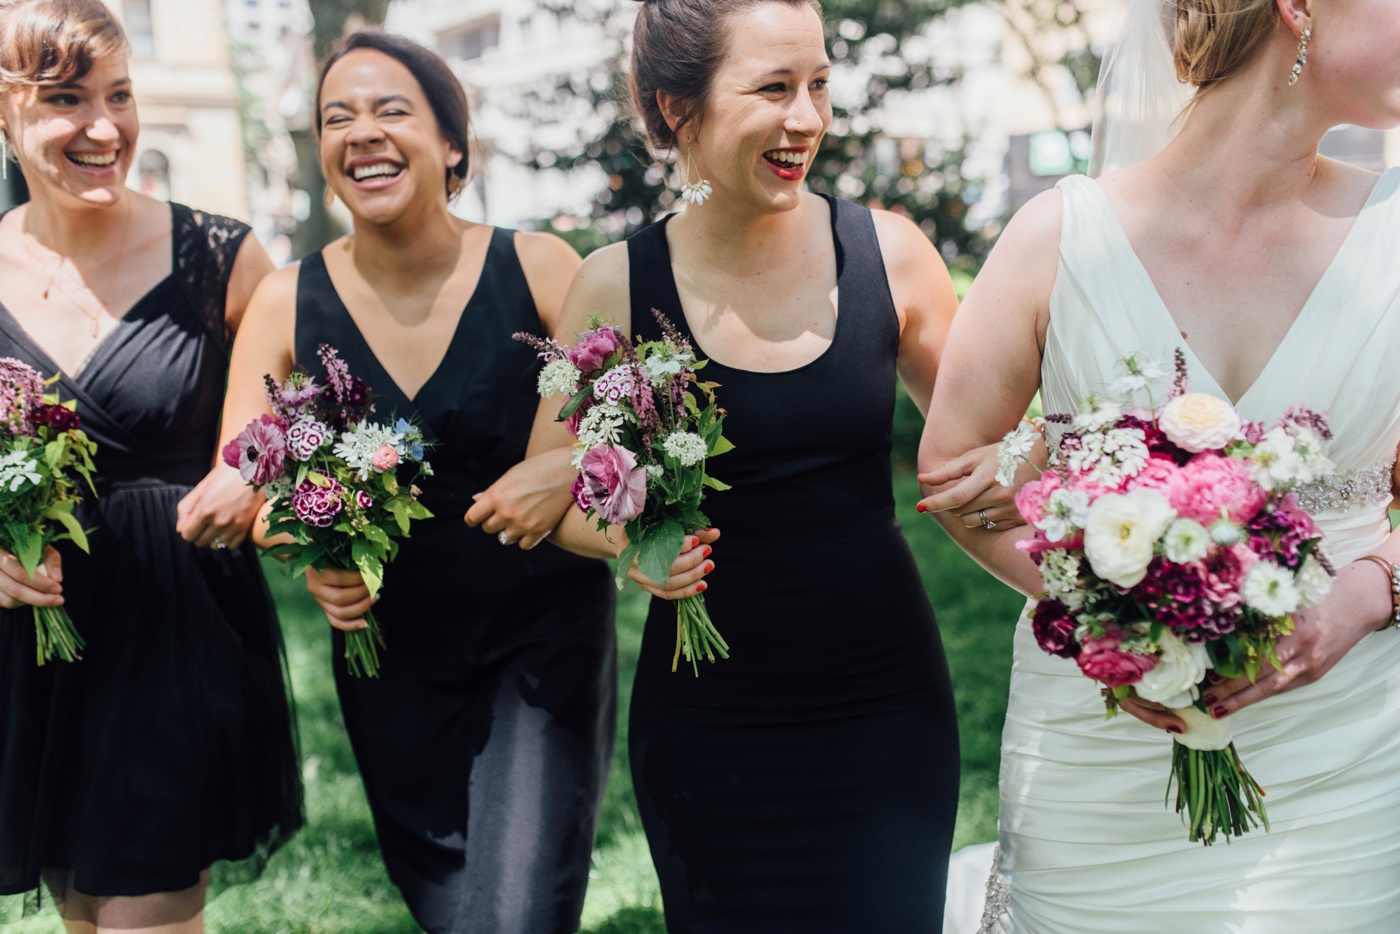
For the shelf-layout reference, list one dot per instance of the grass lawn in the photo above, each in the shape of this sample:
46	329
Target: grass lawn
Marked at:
330	878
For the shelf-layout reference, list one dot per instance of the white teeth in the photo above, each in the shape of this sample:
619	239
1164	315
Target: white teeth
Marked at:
379	168
783	155
93	159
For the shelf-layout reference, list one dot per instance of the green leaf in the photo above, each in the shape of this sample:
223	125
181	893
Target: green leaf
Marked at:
624	562
377	535
417	510
399	509
29	547
658	550
303	469
63	512
721	445
391	483
53	453
575	402
714	484
318	479
371	568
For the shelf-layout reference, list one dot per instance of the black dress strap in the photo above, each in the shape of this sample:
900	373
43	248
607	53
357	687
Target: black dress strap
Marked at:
205	249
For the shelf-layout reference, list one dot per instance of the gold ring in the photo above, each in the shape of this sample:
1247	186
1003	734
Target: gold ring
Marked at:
987	524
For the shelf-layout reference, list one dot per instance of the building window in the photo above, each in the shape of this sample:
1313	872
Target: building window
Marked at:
153	174
137	20
470	41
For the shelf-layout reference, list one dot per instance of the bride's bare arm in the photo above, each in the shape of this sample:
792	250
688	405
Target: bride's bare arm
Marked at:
988	375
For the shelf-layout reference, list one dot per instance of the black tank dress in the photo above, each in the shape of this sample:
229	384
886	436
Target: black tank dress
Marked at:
169	746
485	742
809	782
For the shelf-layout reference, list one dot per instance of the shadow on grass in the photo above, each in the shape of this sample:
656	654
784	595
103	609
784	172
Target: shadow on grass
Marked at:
631	921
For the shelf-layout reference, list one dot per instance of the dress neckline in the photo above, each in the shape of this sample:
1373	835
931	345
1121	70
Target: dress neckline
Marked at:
684	323
1311	307
457	329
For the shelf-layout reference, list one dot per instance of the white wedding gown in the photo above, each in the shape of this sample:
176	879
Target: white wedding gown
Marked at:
1087	844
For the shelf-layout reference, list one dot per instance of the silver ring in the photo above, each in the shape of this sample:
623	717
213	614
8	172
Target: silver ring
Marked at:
987	524
219	544
505	539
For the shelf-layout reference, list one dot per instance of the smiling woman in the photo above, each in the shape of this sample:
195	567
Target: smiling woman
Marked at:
484	743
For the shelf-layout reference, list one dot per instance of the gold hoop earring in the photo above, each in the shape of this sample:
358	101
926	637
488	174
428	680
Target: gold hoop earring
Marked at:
330	196
1302	56
697	191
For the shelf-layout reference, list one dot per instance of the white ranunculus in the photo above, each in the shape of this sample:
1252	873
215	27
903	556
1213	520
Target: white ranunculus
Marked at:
1180	667
1121	531
1271	590
1198	421
1314	583
1202	730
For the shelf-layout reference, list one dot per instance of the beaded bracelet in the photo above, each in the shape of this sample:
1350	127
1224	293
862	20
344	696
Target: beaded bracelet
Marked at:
1393	570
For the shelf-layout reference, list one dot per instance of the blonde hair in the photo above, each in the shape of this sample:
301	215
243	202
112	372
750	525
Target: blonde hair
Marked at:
48	42
1215	39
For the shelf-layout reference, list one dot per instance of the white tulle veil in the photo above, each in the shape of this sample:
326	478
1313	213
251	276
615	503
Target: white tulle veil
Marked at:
1139	103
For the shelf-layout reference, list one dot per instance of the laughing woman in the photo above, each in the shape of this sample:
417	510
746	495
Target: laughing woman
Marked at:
168	747
485	741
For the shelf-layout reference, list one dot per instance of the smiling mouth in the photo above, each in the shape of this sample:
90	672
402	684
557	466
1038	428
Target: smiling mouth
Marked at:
786	158
362	173
92	160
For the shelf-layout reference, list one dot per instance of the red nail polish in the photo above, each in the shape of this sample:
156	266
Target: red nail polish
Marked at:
921	508
1218	712
708	549
1209	699
1173	728
709	566
703	587
694	542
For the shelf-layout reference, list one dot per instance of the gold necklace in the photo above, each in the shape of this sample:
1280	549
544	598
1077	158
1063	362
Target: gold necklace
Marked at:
94	317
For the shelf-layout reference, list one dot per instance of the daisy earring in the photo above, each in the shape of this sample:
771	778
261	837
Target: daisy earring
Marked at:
697	191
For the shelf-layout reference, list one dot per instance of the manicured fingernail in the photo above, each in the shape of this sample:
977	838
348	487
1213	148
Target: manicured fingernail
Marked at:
709	566
1218	712
1173	728
694	542
1214	678
707	551
703	586
921	508
1209	699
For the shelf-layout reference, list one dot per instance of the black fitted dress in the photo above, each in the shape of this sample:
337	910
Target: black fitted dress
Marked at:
169	746
809	782
485	741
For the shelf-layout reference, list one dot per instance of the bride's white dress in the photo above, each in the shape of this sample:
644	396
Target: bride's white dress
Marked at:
1087	844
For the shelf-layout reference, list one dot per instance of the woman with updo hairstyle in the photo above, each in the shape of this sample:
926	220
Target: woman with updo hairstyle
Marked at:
1217	231
809	781
484	742
168	747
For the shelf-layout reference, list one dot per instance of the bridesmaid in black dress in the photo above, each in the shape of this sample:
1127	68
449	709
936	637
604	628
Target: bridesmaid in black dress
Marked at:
809	782
168	747
485	742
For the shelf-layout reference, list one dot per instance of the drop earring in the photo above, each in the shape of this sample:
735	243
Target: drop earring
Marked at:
330	196
1302	56
697	191
4	156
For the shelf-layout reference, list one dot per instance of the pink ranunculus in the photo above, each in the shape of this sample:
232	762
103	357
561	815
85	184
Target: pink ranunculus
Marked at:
385	458
1032	497
593	349
1163	475
616	486
1105	662
317	505
258	451
1214	483
1054	629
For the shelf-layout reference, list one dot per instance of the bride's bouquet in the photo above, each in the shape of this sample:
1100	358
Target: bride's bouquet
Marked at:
1171	545
43	453
334	481
643	440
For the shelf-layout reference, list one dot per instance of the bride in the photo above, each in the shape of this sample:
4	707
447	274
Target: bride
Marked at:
1277	272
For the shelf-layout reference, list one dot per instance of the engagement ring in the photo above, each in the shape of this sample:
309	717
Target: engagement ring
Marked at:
505	539
987	524
219	544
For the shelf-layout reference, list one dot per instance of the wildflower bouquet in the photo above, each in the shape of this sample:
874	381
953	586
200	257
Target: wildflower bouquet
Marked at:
42	453
333	479
1170	545
643	441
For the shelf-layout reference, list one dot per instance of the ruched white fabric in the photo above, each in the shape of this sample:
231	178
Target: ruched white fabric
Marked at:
1086	841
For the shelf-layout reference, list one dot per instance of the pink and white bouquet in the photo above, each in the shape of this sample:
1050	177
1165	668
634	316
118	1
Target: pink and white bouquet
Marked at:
335	482
1171	545
643	442
43	452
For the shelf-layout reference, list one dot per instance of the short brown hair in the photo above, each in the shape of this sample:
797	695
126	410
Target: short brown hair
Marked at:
47	42
677	46
1216	39
440	86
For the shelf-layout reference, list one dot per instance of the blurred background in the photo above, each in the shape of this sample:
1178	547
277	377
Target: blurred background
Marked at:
953	113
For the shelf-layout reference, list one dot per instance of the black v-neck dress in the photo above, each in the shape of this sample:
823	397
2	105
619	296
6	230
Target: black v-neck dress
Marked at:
485	741
169	746
809	782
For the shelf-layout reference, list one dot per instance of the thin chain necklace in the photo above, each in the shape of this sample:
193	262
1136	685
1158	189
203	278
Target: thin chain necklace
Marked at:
56	279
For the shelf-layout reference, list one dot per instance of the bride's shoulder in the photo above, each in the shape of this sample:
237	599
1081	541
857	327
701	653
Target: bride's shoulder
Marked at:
1031	241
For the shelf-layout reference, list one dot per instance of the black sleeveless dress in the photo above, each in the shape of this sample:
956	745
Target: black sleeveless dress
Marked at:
169	746
485	741
809	782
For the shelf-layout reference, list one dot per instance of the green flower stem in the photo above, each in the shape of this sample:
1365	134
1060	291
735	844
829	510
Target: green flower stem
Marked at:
57	636
1217	793
362	649
696	636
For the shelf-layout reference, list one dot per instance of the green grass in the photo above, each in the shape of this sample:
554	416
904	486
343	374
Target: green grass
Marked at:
330	877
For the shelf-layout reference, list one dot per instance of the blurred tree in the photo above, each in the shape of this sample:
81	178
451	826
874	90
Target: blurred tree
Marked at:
331	19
